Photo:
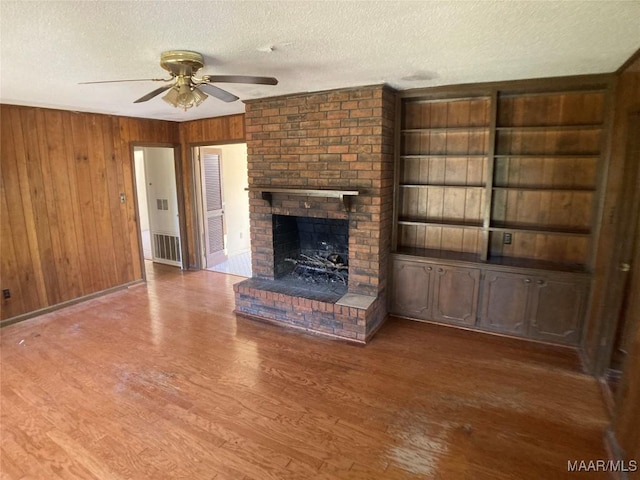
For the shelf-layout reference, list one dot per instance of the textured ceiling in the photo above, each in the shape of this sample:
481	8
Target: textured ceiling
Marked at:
47	47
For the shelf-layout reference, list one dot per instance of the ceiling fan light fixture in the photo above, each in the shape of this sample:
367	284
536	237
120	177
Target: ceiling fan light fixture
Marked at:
171	97
199	96
183	96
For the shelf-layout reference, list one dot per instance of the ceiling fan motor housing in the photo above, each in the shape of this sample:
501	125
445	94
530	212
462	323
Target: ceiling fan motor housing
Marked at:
181	62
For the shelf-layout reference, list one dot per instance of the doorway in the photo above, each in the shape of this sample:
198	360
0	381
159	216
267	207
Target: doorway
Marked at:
222	206
157	205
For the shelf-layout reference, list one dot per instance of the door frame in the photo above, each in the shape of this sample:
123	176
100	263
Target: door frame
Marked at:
615	295
205	212
177	161
196	197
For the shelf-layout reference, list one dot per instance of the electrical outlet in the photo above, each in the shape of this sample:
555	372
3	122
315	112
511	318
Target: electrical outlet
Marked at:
6	294
506	238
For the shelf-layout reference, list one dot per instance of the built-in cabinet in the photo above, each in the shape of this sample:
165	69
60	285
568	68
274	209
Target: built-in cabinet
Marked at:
426	291
455	293
532	304
497	197
543	307
557	307
504	302
411	289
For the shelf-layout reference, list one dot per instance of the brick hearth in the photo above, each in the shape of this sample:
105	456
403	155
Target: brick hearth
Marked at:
341	139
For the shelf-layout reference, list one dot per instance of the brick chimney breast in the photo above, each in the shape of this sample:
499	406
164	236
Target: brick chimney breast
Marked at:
342	140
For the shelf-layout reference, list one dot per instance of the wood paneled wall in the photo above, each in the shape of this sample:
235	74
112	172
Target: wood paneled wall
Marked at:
65	233
210	131
601	320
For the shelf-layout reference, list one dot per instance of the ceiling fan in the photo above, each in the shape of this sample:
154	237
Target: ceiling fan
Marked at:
185	90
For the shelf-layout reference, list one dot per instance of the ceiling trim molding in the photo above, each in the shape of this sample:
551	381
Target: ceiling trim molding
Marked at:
629	62
600	81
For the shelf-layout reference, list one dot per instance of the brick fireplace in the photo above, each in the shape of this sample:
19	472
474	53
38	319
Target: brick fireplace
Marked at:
299	148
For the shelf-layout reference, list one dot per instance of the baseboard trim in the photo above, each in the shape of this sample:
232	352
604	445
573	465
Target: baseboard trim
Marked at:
68	303
559	346
607	395
614	452
585	361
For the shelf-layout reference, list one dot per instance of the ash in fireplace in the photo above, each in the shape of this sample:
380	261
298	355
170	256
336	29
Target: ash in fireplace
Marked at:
319	269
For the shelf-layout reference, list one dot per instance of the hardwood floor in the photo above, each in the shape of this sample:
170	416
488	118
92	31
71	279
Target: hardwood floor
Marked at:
164	381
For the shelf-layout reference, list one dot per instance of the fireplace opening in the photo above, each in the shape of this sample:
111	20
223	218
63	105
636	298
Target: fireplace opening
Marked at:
313	252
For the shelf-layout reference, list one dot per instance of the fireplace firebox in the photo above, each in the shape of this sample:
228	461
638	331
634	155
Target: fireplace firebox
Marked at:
311	251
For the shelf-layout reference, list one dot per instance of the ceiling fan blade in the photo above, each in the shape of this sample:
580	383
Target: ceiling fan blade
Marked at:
136	80
218	92
154	93
240	79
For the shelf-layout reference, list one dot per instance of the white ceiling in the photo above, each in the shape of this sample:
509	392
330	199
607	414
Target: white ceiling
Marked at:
47	47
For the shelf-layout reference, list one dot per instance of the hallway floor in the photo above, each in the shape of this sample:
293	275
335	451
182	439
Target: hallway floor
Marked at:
236	265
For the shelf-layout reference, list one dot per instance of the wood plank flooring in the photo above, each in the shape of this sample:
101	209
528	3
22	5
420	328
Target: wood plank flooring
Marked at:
163	381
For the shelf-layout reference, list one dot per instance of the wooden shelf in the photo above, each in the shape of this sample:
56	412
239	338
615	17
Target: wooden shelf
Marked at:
547	189
543	128
537	229
430	253
439	223
547	155
343	195
558	93
410	99
446	155
440	185
536	264
446	129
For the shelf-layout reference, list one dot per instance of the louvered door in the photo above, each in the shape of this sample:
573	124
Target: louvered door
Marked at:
213	206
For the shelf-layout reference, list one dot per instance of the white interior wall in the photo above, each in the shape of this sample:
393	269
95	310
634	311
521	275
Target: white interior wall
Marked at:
141	189
236	199
161	184
143	207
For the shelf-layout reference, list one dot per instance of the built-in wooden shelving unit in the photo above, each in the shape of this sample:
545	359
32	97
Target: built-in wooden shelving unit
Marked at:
500	184
474	168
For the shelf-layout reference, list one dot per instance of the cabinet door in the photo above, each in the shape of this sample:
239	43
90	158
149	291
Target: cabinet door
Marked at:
557	309
455	294
411	284
504	302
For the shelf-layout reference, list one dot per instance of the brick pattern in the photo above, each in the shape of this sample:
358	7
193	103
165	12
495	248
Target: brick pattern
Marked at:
310	315
341	139
348	323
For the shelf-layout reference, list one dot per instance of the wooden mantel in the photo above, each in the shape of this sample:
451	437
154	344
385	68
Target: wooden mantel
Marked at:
344	195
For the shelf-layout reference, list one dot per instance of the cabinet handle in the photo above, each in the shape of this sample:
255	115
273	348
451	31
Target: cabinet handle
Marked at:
440	270
540	282
429	268
527	280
